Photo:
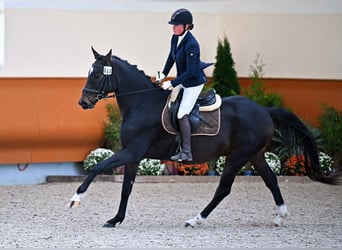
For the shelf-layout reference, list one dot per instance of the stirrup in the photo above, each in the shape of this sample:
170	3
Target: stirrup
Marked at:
181	156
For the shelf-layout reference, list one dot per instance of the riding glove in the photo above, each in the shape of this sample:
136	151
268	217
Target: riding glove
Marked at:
160	76
166	85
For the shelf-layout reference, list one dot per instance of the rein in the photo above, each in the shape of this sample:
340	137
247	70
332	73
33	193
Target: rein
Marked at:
131	93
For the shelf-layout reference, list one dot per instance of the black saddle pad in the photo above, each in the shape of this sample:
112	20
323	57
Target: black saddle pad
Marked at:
211	129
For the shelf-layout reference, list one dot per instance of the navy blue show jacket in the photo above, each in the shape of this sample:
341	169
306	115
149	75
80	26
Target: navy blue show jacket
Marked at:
187	58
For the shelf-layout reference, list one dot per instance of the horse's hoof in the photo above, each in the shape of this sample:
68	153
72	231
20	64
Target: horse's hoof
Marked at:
109	225
74	204
196	221
188	225
278	221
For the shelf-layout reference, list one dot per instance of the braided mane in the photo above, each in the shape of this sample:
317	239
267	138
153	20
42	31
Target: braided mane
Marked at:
135	67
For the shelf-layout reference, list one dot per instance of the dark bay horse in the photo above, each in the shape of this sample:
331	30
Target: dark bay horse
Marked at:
246	129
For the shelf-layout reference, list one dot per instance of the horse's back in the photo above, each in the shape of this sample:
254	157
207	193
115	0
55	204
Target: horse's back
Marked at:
246	115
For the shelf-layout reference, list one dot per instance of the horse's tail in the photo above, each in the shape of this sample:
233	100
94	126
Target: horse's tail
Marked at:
288	123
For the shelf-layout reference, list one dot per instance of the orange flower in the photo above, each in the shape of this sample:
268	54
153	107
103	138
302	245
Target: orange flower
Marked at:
192	169
295	165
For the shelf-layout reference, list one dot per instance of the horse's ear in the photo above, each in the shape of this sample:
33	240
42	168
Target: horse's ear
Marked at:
108	57
96	55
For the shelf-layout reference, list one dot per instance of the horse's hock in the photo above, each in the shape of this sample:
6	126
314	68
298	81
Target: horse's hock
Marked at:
42	122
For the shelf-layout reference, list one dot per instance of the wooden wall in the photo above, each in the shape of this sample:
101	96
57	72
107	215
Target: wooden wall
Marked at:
304	97
42	122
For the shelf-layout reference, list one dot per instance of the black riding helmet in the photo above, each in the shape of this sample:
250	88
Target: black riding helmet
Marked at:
181	16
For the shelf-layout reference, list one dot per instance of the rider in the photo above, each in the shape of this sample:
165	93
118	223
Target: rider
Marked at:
185	52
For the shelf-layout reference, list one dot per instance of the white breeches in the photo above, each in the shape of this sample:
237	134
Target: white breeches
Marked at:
189	98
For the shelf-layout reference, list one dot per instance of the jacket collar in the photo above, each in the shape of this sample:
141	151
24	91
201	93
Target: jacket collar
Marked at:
182	39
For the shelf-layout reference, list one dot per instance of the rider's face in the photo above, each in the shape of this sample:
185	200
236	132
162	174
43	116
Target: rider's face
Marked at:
178	29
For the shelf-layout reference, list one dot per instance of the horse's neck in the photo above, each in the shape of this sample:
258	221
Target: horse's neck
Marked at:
141	104
136	93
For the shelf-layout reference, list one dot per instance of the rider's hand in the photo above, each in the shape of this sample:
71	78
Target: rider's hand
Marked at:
160	76
166	85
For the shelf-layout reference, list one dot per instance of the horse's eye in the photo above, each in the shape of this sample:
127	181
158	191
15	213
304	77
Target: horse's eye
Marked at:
97	76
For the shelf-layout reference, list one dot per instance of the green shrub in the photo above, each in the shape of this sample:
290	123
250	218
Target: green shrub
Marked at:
287	145
331	127
112	129
257	90
225	80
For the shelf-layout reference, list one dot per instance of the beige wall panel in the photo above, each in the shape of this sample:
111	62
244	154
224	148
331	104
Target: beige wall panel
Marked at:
291	45
56	42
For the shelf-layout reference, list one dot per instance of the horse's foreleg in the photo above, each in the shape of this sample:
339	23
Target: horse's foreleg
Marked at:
81	191
127	185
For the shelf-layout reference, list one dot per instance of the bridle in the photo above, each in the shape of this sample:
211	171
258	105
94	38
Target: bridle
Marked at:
102	94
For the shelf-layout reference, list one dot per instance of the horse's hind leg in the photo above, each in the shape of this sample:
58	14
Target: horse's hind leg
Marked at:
271	182
232	166
127	185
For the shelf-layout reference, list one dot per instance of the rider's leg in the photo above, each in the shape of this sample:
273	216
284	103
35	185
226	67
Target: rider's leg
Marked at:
185	129
188	101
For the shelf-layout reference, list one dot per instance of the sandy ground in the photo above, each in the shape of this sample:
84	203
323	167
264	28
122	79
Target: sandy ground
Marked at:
37	216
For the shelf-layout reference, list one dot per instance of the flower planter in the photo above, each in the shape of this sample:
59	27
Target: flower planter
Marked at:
248	172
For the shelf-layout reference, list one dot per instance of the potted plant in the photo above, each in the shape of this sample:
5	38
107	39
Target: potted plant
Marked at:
212	168
150	167
95	156
271	158
193	169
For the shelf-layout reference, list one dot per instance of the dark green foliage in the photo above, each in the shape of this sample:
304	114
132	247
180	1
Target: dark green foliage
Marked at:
225	80
112	129
331	127
289	144
257	91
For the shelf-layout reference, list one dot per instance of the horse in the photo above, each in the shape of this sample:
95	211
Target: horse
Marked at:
246	129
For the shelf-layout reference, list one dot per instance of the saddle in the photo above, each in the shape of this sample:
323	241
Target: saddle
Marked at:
204	117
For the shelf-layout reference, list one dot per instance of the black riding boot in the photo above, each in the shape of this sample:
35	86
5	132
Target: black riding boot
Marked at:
185	129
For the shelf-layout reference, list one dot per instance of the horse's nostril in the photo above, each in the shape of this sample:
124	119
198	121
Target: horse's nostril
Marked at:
83	104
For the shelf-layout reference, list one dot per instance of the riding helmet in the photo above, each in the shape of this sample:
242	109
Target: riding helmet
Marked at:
181	16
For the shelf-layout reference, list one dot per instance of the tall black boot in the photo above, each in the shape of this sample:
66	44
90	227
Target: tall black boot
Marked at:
185	129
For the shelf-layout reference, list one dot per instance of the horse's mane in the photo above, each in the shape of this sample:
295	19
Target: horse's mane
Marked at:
135	67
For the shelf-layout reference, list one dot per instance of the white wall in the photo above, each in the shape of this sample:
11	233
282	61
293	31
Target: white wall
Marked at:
296	39
2	34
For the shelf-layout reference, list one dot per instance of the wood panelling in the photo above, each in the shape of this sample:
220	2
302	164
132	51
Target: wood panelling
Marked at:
42	122
304	97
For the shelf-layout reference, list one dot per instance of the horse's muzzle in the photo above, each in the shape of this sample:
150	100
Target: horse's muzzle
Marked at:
85	104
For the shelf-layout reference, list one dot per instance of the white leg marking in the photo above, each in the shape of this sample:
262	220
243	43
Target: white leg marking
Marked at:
281	215
278	221
282	211
76	200
197	220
